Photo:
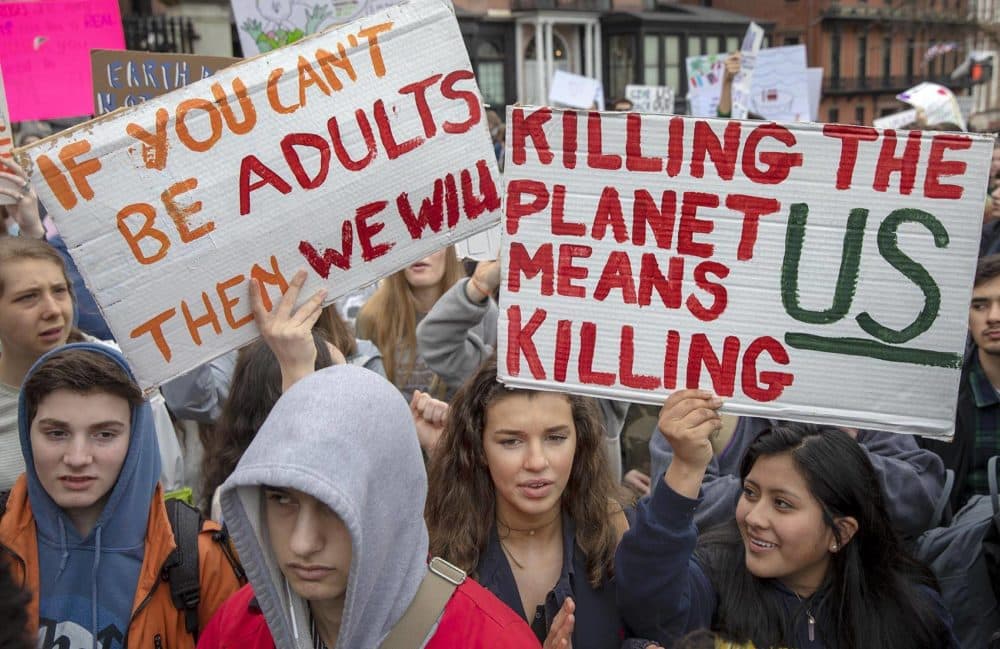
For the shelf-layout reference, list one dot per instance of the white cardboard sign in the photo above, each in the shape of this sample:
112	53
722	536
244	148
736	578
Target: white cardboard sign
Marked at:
795	270
743	83
651	99
6	136
350	154
705	74
896	120
780	89
937	102
576	90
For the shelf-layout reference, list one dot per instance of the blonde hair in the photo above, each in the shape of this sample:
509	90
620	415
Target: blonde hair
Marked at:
389	318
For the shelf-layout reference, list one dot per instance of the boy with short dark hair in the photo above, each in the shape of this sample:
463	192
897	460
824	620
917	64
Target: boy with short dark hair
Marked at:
85	529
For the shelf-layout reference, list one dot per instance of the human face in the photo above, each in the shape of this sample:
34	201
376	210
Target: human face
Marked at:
79	442
310	543
784	534
427	272
529	442
995	163
984	316
36	309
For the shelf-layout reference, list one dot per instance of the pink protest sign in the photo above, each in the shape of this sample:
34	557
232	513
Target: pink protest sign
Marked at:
45	47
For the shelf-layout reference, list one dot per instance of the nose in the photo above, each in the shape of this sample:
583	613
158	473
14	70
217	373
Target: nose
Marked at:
50	306
78	454
535	458
307	538
993	315
756	516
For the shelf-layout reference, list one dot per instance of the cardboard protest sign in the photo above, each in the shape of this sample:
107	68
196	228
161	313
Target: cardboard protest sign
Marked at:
481	247
937	102
575	90
266	26
126	78
896	120
705	75
45	48
781	84
651	99
753	40
806	272
814	76
350	154
6	136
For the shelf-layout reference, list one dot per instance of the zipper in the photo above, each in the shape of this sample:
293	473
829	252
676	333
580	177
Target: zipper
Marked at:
157	641
145	601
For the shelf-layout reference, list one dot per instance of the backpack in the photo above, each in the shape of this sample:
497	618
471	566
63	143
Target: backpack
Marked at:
965	558
180	569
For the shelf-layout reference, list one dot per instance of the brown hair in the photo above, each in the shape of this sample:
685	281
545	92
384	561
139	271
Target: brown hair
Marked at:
255	388
389	318
461	502
987	269
82	371
336	331
18	248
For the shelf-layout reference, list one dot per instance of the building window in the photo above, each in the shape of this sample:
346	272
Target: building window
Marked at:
621	64
732	44
911	47
835	58
859	115
694	46
833	115
712	45
862	70
669	63
490	73
886	59
651	60
792	40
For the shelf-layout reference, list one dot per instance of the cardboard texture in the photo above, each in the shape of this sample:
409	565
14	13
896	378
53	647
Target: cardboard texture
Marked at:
651	99
128	78
350	154
266	26
45	48
6	136
803	271
484	246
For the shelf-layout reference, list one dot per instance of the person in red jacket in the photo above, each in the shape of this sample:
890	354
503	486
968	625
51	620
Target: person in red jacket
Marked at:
326	510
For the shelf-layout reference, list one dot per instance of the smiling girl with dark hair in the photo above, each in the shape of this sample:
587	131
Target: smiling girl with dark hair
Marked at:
810	559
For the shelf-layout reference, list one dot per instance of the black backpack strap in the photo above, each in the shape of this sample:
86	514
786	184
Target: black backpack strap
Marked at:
182	565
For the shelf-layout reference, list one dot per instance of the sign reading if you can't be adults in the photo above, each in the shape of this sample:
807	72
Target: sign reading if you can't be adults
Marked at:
807	272
351	154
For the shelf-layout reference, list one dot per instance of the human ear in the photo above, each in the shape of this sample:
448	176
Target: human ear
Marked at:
847	527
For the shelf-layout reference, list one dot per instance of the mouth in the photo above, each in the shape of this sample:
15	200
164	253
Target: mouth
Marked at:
310	572
419	266
52	334
77	483
992	334
536	488
759	545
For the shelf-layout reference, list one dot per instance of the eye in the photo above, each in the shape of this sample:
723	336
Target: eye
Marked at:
510	442
56	434
781	503
558	437
279	498
27	297
749	493
105	435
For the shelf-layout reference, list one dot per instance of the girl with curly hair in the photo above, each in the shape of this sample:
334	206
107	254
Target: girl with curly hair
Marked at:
522	499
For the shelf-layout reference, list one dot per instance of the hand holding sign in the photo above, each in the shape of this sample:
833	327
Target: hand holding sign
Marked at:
288	333
484	282
23	205
688	421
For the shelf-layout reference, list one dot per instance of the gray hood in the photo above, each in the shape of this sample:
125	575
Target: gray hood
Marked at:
345	436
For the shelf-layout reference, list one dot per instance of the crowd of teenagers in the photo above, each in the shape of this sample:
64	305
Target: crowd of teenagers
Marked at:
358	478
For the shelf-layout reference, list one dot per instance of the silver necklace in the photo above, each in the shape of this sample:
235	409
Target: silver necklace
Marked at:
809	616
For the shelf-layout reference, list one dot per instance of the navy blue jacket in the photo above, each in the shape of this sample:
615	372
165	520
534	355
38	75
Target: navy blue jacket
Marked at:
912	478
664	592
598	625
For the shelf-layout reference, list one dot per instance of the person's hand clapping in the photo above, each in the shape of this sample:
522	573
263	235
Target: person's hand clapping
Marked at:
288	333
